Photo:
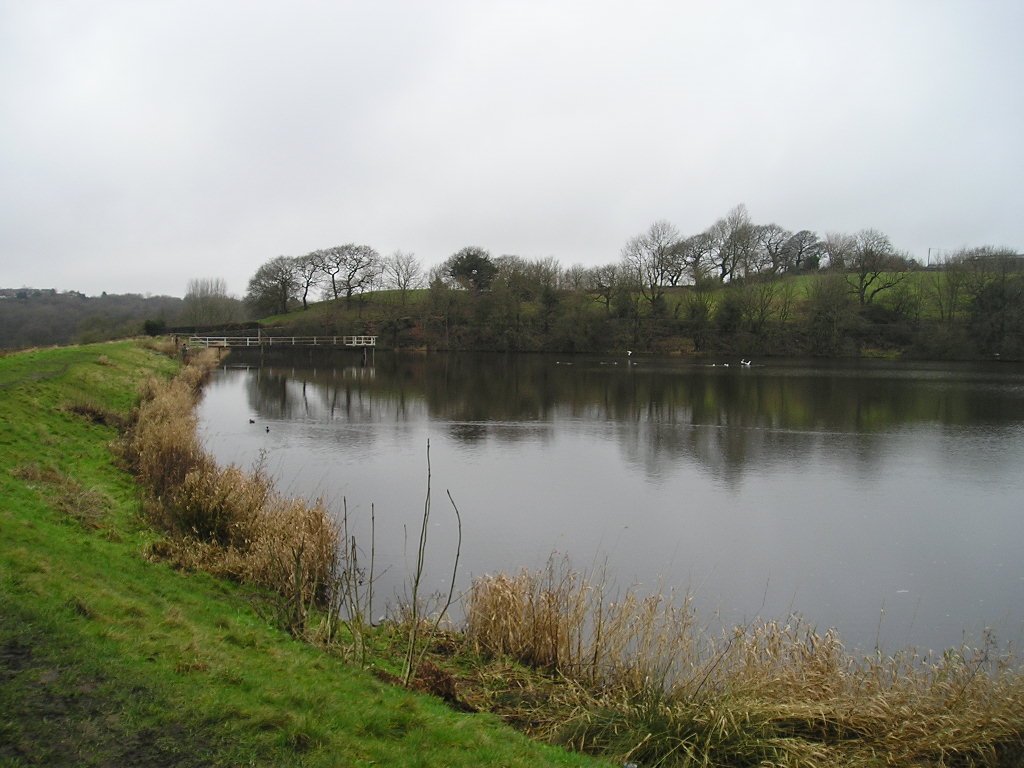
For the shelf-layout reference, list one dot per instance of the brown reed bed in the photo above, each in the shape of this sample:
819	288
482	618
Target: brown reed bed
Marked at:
639	678
222	519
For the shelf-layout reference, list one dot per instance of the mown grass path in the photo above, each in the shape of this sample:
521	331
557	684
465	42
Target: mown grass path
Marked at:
110	659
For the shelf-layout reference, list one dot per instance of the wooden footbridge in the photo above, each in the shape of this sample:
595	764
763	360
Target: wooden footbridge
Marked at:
264	342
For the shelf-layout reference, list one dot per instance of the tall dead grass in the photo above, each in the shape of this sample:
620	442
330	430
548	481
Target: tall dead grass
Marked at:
561	620
223	519
165	345
648	683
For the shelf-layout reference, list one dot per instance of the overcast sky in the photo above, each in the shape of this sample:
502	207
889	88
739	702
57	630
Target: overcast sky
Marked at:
146	143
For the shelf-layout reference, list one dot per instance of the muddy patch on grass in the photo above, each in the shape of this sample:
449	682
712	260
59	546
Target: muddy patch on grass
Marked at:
56	714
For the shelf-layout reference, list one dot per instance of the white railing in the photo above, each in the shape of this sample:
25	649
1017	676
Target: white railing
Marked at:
360	341
282	341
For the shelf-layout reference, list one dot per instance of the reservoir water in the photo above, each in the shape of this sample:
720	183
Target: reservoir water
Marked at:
883	499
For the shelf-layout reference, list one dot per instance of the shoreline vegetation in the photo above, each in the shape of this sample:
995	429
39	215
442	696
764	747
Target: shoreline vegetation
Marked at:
559	654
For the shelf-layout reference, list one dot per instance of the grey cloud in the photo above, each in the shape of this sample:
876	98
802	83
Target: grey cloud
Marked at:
143	144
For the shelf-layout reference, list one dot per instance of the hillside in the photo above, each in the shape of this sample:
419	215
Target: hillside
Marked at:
39	317
925	314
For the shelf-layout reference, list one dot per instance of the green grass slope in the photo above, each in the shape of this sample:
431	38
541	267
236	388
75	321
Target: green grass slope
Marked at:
109	659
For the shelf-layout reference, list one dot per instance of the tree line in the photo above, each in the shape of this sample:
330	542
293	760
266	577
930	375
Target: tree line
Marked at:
737	284
733	248
340	271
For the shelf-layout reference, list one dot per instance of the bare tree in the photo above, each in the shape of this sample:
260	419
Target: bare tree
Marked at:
874	265
330	267
606	280
801	251
982	266
963	277
771	240
678	269
207	303
309	273
575	277
350	267
437	276
403	272
838	248
514	275
648	257
695	253
733	241
545	273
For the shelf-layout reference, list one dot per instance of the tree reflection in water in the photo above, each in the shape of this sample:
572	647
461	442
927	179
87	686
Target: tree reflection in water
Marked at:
843	486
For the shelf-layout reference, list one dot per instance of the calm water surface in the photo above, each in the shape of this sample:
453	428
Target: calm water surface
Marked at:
882	499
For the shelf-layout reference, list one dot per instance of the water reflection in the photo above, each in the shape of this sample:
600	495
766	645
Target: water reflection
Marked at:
724	419
835	489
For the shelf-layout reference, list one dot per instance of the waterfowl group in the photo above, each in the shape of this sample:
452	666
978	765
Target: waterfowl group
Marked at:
743	361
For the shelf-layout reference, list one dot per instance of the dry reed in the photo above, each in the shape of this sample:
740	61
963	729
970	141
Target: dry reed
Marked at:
645	682
165	345
222	519
560	620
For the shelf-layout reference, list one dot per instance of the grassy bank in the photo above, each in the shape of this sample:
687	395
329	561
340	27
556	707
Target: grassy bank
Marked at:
108	657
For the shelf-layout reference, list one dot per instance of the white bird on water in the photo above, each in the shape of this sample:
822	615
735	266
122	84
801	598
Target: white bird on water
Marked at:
745	362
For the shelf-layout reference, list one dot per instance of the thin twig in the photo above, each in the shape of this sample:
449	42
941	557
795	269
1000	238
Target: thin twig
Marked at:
418	574
451	587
